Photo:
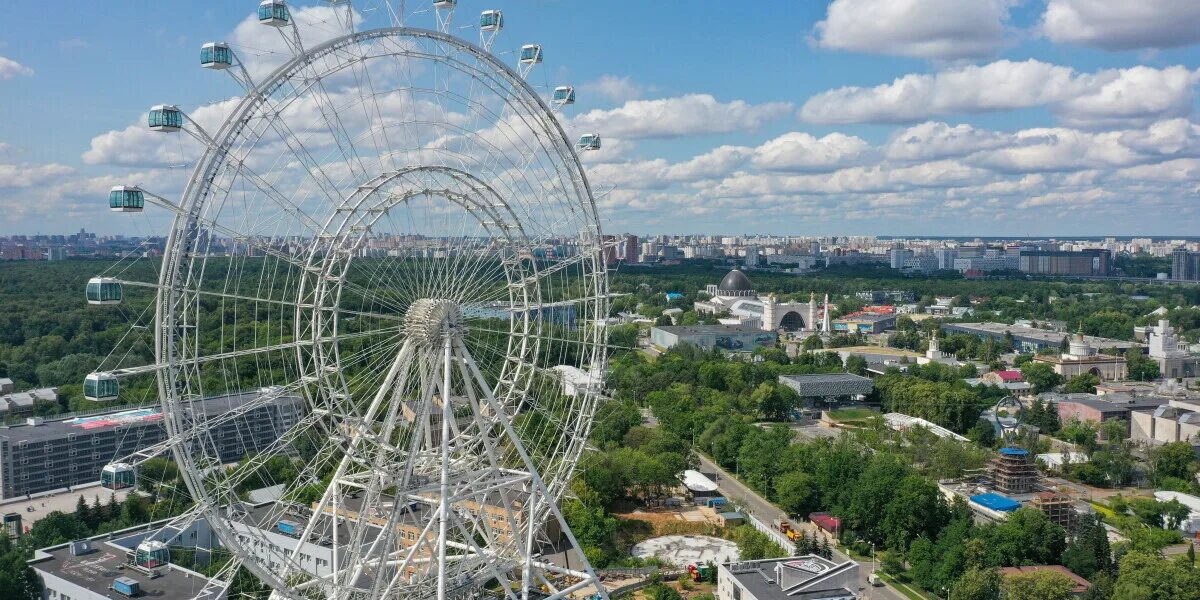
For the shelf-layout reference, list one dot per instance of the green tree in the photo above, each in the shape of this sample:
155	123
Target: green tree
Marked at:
1038	585
1041	376
976	584
812	342
1083	383
1144	576
1088	552
1140	367
1176	459
796	493
857	365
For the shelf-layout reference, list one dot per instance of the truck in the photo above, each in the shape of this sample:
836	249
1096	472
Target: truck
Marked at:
785	527
874	580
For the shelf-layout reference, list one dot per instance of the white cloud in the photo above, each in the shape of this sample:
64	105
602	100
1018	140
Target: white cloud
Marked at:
797	151
10	68
28	175
1123	24
693	114
943	29
931	140
137	145
1058	149
261	48
616	89
1110	97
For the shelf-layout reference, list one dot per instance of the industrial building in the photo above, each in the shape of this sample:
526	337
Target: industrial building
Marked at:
808	577
1061	262
44	455
864	322
730	338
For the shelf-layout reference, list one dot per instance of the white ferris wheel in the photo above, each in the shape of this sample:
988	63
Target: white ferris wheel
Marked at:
393	233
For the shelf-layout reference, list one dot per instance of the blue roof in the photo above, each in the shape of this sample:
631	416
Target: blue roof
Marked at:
1014	451
674	295
996	502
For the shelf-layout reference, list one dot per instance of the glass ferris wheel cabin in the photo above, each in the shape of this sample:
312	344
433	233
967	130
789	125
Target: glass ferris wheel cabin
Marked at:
564	94
589	141
216	55
273	13
166	118
103	290
445	4
491	20
118	476
101	387
151	554
126	199
531	54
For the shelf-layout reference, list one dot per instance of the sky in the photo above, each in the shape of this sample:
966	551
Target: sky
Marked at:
847	117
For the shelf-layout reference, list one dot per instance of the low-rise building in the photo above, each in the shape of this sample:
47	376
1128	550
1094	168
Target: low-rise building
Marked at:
864	322
1081	358
730	338
828	385
1033	339
1166	424
808	577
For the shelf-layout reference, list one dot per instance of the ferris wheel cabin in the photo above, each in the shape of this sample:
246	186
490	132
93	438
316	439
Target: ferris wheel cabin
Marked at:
273	13
445	4
589	141
531	54
564	94
126	199
118	476
102	290
151	554
216	55
166	118
101	387
491	20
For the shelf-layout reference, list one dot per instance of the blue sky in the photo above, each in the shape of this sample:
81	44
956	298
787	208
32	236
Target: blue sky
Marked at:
897	117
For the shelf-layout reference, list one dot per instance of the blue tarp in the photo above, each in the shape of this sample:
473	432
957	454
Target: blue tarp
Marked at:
996	502
1014	451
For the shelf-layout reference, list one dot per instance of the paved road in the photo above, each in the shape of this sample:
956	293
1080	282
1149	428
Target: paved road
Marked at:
738	492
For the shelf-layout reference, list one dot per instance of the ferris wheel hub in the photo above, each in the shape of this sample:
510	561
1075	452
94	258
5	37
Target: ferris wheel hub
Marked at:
430	321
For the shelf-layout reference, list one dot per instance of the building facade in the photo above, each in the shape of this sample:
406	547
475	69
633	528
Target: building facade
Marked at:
1061	262
730	338
53	454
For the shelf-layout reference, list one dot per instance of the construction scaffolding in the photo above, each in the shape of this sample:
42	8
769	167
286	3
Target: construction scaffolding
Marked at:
1058	507
1012	472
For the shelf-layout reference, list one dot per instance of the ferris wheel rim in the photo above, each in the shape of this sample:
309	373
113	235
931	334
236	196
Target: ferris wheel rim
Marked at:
214	157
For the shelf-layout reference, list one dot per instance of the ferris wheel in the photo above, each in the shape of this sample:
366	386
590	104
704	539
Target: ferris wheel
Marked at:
392	236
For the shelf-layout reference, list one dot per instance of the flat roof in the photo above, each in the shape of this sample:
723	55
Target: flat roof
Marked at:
107	561
83	425
1042	335
807	573
709	329
996	502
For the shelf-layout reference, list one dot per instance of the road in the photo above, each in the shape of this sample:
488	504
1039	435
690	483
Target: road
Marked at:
758	506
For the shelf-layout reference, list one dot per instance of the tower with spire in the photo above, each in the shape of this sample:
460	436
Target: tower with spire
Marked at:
825	326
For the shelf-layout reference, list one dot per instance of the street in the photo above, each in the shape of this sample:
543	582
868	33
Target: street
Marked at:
739	493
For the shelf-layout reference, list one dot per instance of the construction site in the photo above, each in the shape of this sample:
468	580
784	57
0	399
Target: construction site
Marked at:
1011	481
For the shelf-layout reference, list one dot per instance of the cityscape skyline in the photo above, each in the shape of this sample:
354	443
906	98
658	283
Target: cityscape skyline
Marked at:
854	126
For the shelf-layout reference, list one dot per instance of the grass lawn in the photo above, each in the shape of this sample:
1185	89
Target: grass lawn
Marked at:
909	590
852	414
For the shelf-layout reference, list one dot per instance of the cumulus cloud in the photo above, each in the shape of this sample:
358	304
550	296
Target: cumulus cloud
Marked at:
942	29
693	114
28	175
616	89
262	48
797	151
137	145
10	68
1110	97
932	140
1123	24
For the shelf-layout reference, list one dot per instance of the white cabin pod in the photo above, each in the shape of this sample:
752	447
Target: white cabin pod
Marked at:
103	290
531	54
564	94
445	4
589	141
126	199
166	118
491	20
118	476
101	387
273	13
151	554
216	55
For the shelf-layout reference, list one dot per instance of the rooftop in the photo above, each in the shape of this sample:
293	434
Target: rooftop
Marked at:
698	482
735	281
996	502
797	577
104	561
708	329
828	384
1042	335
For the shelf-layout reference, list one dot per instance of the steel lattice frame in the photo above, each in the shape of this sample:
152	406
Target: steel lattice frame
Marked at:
388	263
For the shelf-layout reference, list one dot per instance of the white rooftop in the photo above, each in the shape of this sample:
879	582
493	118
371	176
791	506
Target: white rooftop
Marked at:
900	421
698	482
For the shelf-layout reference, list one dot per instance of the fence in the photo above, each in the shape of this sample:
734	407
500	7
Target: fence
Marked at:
777	536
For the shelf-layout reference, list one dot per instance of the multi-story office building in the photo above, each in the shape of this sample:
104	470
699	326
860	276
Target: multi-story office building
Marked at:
40	456
1059	262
